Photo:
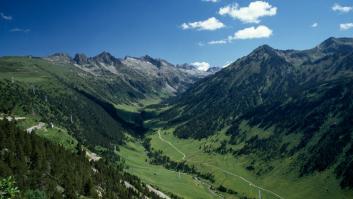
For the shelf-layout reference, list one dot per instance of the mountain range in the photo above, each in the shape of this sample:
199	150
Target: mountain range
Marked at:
283	118
146	74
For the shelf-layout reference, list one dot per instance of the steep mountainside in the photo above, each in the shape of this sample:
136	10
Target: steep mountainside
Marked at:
304	100
65	96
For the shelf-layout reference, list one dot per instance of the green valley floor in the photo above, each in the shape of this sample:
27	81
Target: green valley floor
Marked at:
228	170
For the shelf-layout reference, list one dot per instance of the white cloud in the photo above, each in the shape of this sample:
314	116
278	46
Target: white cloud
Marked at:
19	30
212	1
247	33
252	33
215	42
3	16
250	14
346	26
203	66
343	9
315	25
209	24
184	26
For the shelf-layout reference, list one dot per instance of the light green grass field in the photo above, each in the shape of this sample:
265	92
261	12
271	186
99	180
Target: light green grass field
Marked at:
59	136
168	181
136	107
280	181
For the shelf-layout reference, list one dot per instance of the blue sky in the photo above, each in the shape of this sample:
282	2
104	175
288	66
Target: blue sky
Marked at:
176	30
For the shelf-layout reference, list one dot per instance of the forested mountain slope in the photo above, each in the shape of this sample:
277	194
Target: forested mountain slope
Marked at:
82	94
45	170
80	104
85	101
62	95
303	99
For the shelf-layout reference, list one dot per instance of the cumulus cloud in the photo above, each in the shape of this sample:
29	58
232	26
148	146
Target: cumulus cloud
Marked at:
346	26
212	1
246	33
250	14
315	25
3	16
19	30
203	66
342	9
209	24
252	33
215	42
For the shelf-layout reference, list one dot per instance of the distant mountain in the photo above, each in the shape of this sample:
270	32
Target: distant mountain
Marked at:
214	69
60	57
146	75
306	95
194	71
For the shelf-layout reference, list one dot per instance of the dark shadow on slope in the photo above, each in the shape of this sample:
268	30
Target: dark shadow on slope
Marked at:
136	128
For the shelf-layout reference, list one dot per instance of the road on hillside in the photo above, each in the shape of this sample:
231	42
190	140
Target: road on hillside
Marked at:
40	125
223	170
170	144
10	118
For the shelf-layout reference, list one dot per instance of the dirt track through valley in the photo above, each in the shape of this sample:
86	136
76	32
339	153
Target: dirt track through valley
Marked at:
218	168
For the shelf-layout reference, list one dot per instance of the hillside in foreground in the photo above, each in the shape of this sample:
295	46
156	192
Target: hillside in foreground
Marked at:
41	169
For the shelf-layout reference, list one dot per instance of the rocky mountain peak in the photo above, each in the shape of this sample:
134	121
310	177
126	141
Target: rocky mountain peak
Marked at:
264	49
80	59
337	45
186	66
60	54
154	61
106	58
60	57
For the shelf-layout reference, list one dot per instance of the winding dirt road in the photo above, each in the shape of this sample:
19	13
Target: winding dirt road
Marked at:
223	170
170	144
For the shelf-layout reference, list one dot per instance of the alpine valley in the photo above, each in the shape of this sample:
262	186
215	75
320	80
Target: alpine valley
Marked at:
274	124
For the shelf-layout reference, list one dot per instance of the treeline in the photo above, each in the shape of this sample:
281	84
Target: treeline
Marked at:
224	189
214	102
158	158
324	110
44	169
84	118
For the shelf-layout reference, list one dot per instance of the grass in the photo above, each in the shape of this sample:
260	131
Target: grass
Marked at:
168	181
196	157
280	180
24	69
59	136
56	135
136	107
